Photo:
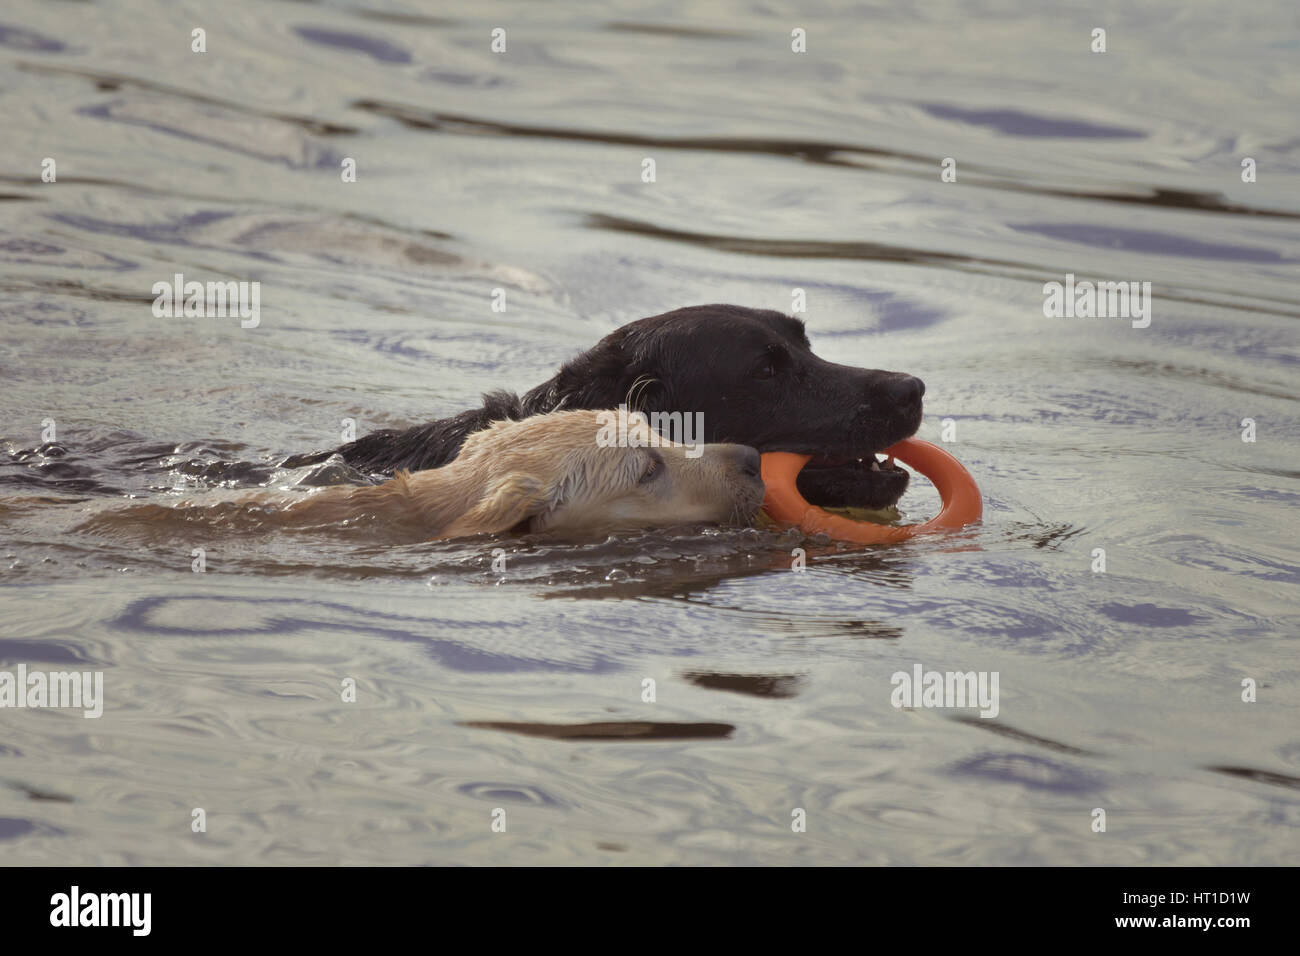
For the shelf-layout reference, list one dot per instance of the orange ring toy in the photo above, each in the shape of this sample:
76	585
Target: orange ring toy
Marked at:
962	503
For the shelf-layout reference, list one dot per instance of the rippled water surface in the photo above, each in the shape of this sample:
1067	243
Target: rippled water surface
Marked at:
524	690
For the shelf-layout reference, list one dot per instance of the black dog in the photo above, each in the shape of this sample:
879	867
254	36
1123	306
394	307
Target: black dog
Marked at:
750	372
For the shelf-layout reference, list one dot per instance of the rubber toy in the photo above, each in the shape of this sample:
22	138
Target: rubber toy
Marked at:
962	503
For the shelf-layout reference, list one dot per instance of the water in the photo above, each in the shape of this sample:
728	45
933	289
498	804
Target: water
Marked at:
476	171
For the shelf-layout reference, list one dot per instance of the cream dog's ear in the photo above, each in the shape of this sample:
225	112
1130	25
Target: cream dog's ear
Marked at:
507	502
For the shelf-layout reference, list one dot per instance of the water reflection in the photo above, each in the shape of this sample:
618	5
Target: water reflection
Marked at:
1095	445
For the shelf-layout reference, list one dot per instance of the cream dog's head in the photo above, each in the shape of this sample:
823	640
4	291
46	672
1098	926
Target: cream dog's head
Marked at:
562	471
571	471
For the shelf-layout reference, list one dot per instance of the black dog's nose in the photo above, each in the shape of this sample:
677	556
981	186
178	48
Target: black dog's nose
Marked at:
748	461
906	390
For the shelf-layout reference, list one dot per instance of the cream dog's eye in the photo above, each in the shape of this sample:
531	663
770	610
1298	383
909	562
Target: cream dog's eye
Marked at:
652	469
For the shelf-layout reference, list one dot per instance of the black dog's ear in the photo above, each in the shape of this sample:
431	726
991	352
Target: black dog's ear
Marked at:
602	377
647	394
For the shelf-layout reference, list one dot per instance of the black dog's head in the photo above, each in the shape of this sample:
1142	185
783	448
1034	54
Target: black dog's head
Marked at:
753	375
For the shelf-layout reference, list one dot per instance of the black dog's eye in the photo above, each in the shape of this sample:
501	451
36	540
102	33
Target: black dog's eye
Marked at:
652	469
767	366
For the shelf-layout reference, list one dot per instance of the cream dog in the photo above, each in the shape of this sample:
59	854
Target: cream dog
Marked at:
550	472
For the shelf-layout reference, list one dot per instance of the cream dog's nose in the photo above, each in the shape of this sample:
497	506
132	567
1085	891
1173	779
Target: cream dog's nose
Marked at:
744	459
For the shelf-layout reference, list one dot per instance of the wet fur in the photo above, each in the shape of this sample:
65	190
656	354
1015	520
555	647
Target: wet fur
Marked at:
548	472
705	359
